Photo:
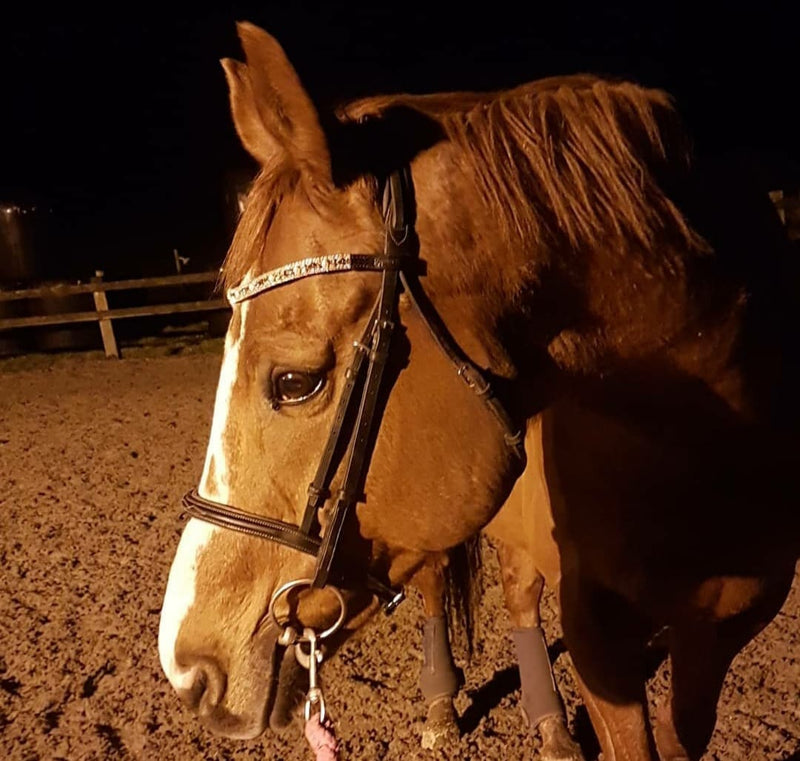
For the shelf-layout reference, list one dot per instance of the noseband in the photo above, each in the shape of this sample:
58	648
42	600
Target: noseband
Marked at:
352	434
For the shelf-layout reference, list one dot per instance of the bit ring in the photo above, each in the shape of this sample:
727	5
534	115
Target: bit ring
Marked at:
287	587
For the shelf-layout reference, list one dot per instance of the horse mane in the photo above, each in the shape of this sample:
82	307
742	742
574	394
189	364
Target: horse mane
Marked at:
575	159
571	161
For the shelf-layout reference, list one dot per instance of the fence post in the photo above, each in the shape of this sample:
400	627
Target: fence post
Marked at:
106	328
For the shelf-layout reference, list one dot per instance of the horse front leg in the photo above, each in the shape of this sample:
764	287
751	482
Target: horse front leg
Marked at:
702	645
541	703
439	679
606	638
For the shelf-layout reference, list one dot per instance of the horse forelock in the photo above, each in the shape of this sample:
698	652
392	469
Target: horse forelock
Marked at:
248	247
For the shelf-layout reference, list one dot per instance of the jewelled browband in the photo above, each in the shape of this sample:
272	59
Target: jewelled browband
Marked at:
315	265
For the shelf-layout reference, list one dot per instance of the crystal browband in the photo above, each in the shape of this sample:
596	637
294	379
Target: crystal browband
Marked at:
315	265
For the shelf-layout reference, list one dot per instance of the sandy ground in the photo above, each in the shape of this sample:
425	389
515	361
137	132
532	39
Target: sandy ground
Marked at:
94	456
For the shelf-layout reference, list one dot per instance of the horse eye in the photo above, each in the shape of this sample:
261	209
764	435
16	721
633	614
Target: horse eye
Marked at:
295	387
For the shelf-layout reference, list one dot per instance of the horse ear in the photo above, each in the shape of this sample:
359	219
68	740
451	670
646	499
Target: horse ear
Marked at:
271	109
255	137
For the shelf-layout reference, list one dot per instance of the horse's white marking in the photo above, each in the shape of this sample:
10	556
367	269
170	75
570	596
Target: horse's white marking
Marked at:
179	599
182	585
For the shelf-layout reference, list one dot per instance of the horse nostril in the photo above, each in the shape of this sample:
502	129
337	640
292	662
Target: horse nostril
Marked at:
208	682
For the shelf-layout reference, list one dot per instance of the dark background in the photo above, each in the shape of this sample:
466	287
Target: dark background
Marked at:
119	123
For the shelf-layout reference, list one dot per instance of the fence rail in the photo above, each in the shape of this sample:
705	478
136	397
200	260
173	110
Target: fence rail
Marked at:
102	314
65	289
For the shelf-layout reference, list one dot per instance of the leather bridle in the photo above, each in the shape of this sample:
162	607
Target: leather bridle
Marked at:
359	411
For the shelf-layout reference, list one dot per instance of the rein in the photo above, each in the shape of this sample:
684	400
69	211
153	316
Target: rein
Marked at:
357	416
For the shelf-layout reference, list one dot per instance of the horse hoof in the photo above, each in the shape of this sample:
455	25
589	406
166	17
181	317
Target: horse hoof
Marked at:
441	729
439	737
557	744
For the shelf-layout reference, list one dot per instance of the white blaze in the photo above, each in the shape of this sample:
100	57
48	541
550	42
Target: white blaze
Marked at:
180	594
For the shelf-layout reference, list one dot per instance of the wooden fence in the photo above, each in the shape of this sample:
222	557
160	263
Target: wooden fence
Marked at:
102	314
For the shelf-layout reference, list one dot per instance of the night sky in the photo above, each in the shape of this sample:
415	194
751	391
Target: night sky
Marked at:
120	123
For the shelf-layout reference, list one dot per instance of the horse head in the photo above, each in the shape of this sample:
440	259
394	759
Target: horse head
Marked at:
289	356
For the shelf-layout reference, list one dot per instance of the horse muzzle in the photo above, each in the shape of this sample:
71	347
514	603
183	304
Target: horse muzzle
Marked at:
240	702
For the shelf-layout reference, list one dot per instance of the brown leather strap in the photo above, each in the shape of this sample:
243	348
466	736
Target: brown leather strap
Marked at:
280	532
339	436
465	369
365	427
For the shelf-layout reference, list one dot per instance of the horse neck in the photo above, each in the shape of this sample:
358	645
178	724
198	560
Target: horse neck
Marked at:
472	270
701	337
555	317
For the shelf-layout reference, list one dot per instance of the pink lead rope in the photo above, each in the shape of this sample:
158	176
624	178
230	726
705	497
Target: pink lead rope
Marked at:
321	739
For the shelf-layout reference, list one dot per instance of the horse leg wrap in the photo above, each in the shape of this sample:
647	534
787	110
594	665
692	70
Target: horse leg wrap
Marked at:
439	678
540	697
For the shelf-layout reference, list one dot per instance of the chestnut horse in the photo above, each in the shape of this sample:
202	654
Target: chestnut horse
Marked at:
591	271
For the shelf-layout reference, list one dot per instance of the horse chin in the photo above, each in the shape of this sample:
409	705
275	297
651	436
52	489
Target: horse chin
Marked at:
286	692
273	705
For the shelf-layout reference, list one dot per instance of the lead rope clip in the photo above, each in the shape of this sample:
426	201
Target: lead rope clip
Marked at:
318	729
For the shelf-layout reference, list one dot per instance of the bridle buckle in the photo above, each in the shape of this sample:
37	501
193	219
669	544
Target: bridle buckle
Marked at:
474	379
391	605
